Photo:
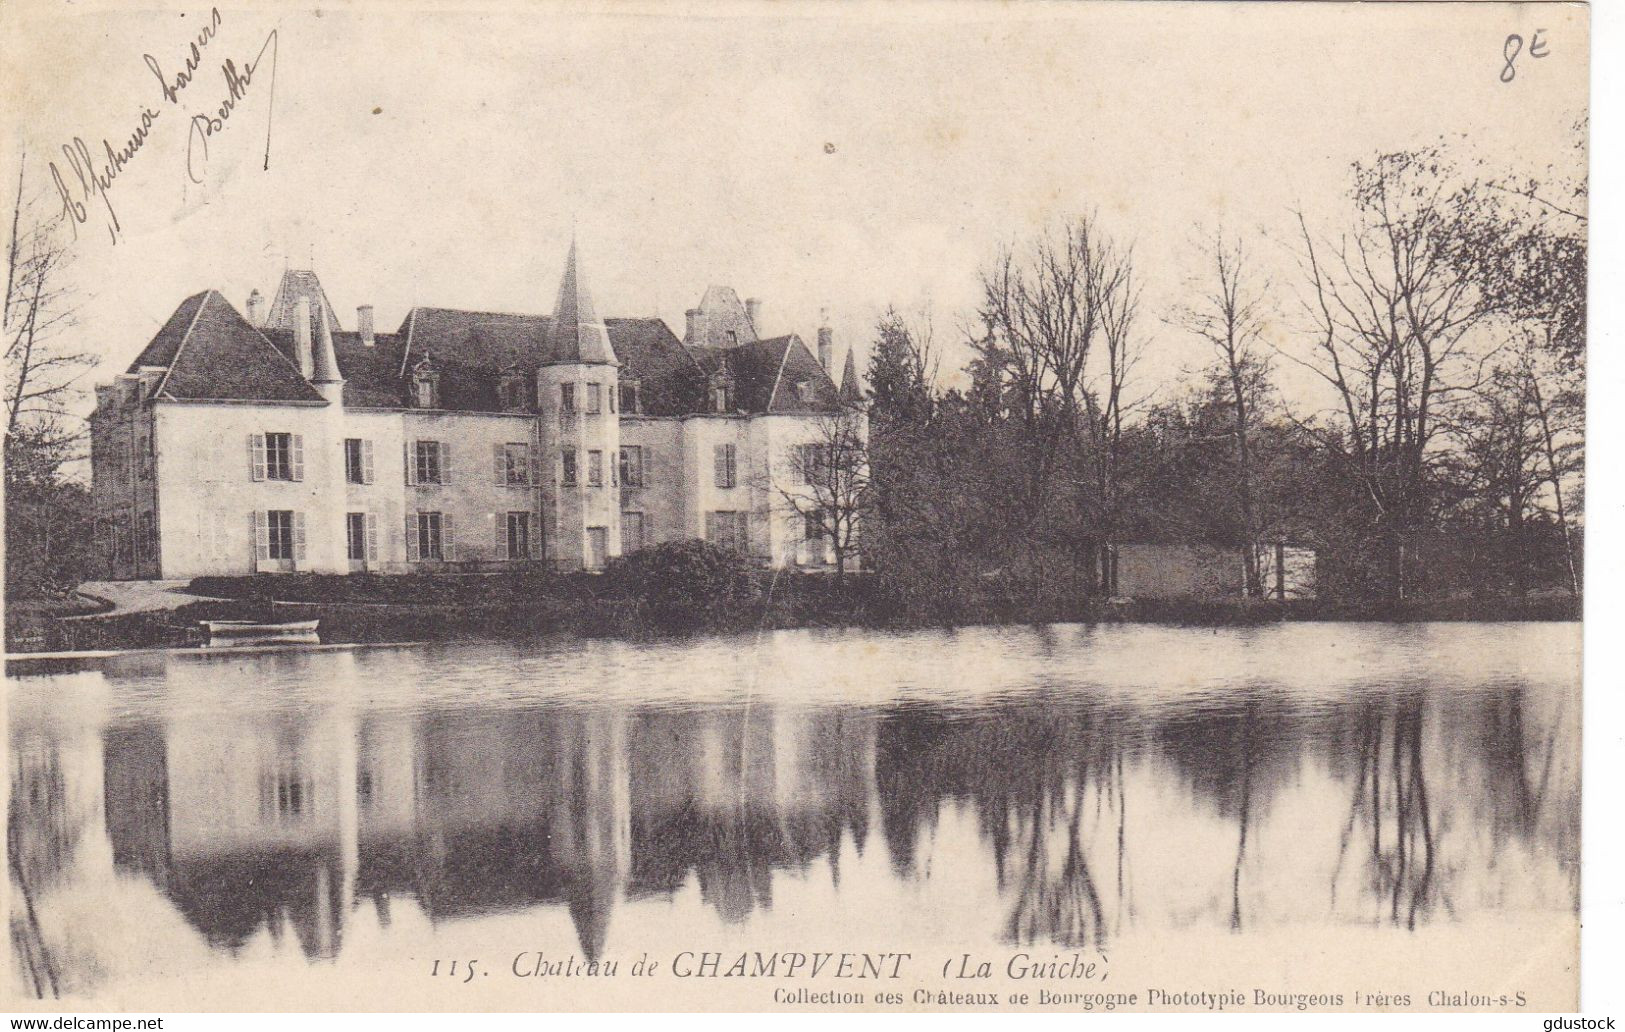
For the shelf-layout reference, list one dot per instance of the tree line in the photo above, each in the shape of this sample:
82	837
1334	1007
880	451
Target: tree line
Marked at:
1439	313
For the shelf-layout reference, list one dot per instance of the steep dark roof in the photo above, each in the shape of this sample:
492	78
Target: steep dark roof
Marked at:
778	375
670	381
296	284
161	351
802	385
213	354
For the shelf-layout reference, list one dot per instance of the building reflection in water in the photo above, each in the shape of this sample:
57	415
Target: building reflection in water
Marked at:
1398	806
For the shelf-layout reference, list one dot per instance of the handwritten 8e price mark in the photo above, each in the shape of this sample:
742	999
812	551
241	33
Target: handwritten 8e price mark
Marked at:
1513	47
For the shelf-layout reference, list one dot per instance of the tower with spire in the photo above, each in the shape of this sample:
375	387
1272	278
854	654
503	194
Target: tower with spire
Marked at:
576	394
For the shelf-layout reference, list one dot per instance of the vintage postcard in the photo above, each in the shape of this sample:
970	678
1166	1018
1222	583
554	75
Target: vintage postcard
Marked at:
910	507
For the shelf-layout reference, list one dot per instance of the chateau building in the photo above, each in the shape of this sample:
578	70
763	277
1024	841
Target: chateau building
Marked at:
278	441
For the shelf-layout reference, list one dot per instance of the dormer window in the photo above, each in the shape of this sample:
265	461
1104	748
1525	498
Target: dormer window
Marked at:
425	384
513	391
631	399
722	391
733	338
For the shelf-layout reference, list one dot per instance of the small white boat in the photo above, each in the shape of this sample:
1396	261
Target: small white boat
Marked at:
248	632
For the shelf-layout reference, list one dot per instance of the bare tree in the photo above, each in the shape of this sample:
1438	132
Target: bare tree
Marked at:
1119	306
1230	317
825	482
42	369
1394	305
1522	450
1044	309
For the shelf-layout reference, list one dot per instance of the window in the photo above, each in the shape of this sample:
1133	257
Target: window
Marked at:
426	388
595	399
595	469
567	397
567	472
726	471
277	456
597	547
733	338
511	464
285	796
722	396
357	460
513	391
727	530
631	532
611	399
808	463
355	535
279	534
430	462
429	537
812	525
361	536
515	540
631	401
632	466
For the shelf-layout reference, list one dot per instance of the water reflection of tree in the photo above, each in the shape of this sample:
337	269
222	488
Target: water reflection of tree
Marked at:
1398	867
1236	754
1047	784
42	836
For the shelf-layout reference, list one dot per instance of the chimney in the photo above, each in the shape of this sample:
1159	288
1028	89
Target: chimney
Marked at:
753	308
301	338
256	308
363	325
826	342
696	329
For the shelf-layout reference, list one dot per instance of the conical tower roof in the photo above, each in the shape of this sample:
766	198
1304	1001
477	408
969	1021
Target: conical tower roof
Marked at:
851	390
325	361
578	335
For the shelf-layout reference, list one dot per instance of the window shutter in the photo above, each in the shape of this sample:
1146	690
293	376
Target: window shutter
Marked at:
411	537
500	522
499	465
535	469
262	535
298	456
372	537
445	462
411	464
256	456
299	537
711	527
448	545
366	462
719	464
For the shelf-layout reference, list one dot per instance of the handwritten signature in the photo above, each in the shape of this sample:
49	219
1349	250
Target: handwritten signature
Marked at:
88	178
237	83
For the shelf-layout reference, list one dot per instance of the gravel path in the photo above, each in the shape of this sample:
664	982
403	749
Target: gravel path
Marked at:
142	596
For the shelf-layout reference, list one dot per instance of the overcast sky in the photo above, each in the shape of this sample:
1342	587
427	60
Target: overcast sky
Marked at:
848	156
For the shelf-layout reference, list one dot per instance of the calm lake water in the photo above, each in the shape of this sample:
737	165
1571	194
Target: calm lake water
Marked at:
1055	788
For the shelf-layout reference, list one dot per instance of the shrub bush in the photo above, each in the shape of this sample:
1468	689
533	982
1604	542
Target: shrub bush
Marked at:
683	585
